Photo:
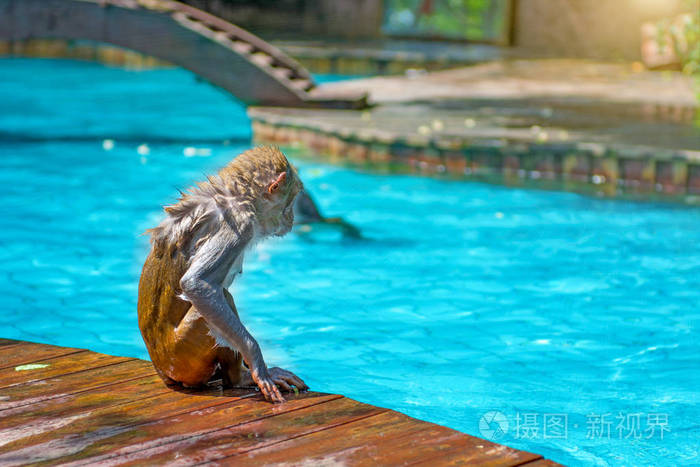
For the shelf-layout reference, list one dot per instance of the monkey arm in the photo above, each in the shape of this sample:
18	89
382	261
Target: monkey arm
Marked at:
202	285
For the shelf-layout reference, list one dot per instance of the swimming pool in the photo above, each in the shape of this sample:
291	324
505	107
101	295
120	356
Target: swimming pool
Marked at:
552	309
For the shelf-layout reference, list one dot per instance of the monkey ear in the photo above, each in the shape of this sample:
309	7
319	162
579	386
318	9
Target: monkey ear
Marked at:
275	186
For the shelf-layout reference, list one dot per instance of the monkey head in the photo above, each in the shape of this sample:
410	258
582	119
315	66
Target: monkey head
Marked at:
276	206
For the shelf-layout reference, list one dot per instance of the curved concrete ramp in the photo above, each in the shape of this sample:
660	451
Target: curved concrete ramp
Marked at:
218	51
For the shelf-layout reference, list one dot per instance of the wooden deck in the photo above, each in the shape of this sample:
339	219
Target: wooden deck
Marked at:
69	406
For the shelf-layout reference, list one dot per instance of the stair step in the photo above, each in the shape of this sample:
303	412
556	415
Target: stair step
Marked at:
262	58
303	84
283	72
242	48
215	28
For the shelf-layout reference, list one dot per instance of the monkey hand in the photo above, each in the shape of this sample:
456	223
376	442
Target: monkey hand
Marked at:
264	380
268	380
286	379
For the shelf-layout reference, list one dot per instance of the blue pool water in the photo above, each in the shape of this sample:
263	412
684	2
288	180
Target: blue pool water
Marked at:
464	298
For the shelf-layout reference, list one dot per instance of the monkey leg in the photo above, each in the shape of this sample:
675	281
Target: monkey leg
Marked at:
192	351
197	353
233	373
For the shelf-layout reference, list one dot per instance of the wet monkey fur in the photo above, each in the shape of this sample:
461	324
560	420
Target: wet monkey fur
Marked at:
187	317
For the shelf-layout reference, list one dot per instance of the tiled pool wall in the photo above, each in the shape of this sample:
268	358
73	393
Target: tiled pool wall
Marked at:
375	60
607	170
81	50
316	60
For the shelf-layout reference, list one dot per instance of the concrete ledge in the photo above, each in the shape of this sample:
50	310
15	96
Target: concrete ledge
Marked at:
517	157
607	129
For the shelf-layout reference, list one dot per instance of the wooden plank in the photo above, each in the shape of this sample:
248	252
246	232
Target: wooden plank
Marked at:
38	391
72	405
390	438
159	430
255	434
26	422
88	408
57	366
102	430
542	463
8	342
28	352
470	450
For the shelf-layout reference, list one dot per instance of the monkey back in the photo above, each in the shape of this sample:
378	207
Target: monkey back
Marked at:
160	309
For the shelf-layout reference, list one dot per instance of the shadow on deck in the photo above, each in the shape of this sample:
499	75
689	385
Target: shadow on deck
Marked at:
64	405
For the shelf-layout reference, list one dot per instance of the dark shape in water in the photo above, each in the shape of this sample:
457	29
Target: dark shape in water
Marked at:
307	214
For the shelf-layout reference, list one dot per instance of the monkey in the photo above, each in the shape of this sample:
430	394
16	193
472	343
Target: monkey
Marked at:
186	315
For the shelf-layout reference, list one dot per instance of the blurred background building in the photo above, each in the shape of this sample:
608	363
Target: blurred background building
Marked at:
571	28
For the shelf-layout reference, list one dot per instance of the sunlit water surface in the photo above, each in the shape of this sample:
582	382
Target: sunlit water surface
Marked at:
463	298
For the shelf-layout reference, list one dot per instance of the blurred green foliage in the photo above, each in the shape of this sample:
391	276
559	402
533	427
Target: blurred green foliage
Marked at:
481	20
684	34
